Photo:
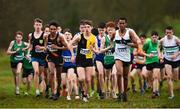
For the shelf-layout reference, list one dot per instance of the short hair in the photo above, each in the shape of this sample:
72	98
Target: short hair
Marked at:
46	26
59	26
116	23
19	33
154	33
94	31
38	20
116	20
102	25
66	30
110	24
169	28
142	35
88	22
81	22
54	23
123	18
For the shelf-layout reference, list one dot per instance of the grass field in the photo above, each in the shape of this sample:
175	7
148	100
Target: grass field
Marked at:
8	98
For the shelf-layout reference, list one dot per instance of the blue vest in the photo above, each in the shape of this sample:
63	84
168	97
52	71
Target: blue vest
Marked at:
99	57
67	59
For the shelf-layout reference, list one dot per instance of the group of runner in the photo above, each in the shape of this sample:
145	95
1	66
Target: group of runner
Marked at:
60	62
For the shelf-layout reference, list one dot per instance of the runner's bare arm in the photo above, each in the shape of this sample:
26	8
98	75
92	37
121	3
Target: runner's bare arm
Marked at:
136	40
27	46
160	55
177	53
177	41
94	47
29	38
102	47
135	52
135	57
29	41
160	43
9	50
75	40
60	40
46	40
145	47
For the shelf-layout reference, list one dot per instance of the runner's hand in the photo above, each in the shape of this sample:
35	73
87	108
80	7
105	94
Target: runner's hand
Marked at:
160	56
161	60
24	49
173	56
91	47
14	52
150	55
28	57
38	47
54	46
96	51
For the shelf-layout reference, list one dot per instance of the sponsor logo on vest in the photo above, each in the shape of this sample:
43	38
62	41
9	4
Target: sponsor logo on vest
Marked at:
41	41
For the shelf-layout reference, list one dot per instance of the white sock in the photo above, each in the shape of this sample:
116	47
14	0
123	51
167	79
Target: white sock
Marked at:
17	88
37	92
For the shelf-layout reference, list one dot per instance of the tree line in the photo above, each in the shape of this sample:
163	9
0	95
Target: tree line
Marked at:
142	15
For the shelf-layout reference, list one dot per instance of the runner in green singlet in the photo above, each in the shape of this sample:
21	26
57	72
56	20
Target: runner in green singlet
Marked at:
16	50
110	70
152	61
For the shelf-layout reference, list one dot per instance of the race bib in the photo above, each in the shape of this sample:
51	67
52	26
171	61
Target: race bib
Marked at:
171	51
84	51
51	49
140	58
155	53
39	51
19	57
67	58
122	49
